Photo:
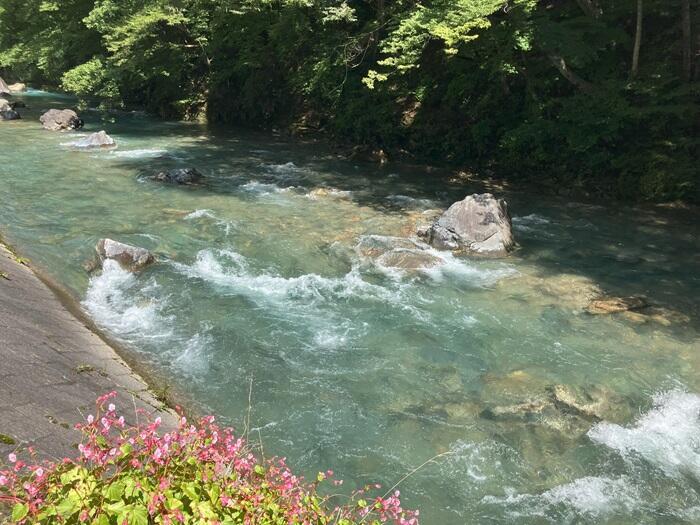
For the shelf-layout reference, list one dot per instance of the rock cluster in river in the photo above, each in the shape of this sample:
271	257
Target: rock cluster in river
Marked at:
179	176
479	224
61	120
132	258
96	140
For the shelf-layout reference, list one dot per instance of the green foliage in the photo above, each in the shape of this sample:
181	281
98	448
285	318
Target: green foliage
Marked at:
538	90
197	474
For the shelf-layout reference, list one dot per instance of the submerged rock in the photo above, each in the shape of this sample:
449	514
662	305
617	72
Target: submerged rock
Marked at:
579	402
409	259
659	314
611	305
397	252
569	290
96	140
376	245
132	258
61	120
18	87
479	224
7	112
179	176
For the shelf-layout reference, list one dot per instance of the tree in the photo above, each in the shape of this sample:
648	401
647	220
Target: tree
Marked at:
637	40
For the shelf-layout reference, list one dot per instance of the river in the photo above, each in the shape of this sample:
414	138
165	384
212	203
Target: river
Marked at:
265	275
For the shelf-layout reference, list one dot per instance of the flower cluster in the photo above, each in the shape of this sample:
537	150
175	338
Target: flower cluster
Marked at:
197	473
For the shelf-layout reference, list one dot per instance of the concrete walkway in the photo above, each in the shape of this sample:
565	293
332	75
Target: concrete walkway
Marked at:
52	368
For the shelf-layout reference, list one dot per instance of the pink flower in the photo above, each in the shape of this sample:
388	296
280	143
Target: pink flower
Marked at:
3	480
12	457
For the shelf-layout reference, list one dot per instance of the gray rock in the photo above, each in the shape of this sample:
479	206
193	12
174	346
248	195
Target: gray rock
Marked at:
132	258
377	245
17	87
4	88
61	120
479	224
7	112
179	176
397	252
96	140
409	259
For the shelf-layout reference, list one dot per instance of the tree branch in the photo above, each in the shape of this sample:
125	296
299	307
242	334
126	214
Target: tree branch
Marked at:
569	75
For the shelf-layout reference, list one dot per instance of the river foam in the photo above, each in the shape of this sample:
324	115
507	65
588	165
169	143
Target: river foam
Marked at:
663	443
667	436
117	301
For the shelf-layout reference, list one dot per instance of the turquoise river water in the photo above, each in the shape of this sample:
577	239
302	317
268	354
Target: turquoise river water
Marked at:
270	271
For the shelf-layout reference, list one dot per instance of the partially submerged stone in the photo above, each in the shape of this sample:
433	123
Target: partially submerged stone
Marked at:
376	245
611	305
409	259
61	120
7	112
479	224
18	87
96	140
132	258
397	252
179	176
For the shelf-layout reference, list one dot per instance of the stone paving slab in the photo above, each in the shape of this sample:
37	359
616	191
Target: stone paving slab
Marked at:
52	367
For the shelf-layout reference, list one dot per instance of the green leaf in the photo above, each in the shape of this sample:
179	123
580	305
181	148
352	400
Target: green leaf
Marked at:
68	506
115	491
20	511
102	519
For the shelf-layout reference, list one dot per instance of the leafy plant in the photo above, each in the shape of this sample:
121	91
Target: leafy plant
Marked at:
195	474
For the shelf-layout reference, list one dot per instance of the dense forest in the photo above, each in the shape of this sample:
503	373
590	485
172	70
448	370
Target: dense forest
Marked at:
593	94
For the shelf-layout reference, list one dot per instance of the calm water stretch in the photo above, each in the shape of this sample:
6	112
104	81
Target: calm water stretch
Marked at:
270	271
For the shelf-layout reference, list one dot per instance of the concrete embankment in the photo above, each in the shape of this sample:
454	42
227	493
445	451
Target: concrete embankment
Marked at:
53	367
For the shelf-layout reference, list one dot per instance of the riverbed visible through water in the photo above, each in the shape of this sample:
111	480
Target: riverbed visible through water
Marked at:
272	271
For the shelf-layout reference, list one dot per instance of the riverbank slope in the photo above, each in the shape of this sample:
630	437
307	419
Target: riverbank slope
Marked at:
54	367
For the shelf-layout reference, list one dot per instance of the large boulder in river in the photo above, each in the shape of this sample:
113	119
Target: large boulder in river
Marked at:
132	258
96	140
7	112
479	224
61	120
17	87
179	176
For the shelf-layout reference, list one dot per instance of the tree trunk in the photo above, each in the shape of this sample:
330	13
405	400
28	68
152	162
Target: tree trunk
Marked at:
569	75
380	10
687	41
637	40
